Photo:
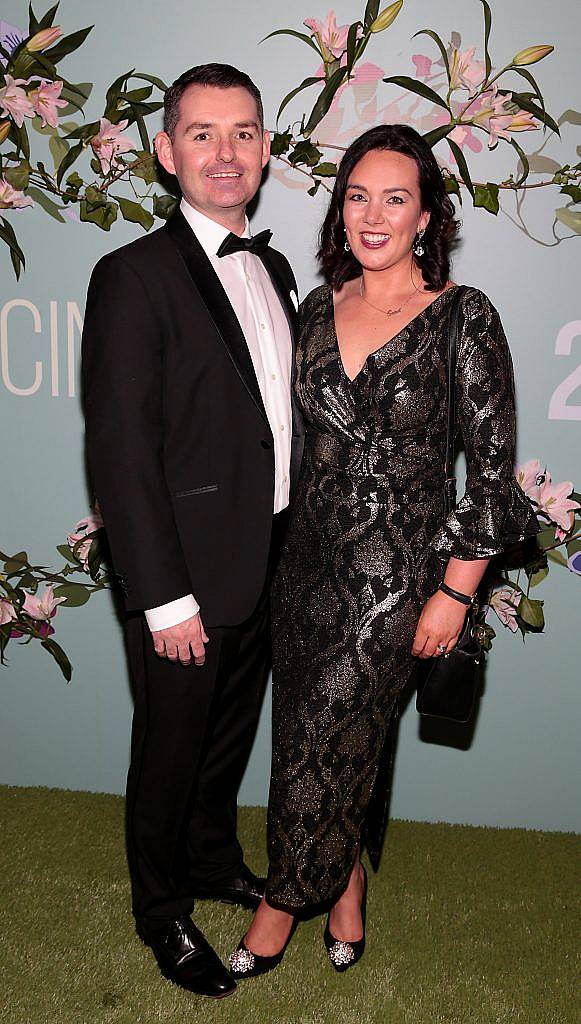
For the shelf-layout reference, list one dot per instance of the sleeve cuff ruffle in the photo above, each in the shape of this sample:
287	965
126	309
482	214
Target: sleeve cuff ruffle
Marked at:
486	520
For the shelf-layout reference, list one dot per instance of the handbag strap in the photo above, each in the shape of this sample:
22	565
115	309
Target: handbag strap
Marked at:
453	325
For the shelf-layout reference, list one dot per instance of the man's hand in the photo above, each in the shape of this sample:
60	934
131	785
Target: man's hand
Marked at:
182	641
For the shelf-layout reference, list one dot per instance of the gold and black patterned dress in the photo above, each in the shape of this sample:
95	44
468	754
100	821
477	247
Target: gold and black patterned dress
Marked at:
367	545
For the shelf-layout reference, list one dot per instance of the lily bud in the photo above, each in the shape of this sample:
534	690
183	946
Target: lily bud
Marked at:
530	55
387	16
4	130
43	39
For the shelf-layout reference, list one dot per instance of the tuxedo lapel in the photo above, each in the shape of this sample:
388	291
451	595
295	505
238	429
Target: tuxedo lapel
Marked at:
217	303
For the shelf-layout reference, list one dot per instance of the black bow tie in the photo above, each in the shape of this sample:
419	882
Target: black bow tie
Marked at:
233	243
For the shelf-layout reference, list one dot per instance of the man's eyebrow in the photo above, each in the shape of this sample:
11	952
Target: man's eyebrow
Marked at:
204	125
400	188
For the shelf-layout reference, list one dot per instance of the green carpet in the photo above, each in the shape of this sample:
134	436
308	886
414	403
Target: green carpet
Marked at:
464	925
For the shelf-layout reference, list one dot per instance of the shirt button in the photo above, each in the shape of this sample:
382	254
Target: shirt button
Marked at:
263	327
282	427
273	375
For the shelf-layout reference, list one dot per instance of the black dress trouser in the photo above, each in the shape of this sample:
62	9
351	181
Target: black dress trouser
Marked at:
193	730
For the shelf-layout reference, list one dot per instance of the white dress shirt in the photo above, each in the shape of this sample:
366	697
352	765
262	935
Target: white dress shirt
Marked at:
266	330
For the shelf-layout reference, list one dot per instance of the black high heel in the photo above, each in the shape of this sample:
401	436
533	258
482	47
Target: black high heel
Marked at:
344	955
246	964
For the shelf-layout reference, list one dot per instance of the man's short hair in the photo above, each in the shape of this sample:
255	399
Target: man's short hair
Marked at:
222	76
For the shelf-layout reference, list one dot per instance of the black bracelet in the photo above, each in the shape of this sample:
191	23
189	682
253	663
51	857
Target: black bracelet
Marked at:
462	598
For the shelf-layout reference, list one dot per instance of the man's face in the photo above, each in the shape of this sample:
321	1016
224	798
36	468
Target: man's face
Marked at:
218	151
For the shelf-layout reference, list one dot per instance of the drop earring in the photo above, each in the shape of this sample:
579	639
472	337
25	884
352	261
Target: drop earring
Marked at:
346	246
417	247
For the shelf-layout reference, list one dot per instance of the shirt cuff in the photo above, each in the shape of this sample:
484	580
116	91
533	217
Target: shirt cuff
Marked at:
172	613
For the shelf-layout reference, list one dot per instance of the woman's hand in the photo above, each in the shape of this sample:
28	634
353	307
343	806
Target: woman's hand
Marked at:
440	623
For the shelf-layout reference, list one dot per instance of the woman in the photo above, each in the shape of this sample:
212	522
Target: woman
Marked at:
358	593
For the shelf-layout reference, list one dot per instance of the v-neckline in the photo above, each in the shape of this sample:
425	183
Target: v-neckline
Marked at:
385	343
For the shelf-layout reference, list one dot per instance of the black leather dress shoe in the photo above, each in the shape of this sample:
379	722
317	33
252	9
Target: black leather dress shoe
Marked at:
185	957
245	888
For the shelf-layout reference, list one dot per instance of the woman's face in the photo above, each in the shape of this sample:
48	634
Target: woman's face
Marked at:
382	211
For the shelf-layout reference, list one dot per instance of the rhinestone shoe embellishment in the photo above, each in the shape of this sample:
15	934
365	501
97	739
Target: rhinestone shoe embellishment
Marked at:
341	953
242	960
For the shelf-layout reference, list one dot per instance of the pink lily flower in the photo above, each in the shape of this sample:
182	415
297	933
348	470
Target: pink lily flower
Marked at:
529	477
555	504
43	607
11	198
498	115
108	144
332	38
45	100
505	602
14	101
462	134
465	72
7	611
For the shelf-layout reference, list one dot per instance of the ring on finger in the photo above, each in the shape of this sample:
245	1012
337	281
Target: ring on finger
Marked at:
442	648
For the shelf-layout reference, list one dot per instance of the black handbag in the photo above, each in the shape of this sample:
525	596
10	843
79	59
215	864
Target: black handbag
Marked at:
447	685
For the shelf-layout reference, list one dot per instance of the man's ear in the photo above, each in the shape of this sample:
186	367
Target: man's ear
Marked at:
265	148
164	150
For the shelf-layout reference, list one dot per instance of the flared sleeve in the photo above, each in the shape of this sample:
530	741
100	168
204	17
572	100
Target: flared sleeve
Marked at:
494	512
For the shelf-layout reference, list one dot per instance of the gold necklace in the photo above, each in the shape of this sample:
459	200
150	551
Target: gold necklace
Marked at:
386	312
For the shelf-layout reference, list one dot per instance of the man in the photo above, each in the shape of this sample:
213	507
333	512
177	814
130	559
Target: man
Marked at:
193	445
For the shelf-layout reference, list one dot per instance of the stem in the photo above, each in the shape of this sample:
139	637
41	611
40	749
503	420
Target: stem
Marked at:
308	174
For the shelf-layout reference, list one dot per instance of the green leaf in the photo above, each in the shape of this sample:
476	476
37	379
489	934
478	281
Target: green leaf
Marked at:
298	35
412	85
280	143
137	95
112	94
452	186
462	166
19	176
22	140
486	196
58	149
324	101
144	167
47	20
68	160
33	22
46	203
103	215
74	181
487	27
439	44
572	190
76	97
314	189
135	213
59	656
531	612
557	556
437	134
352	45
84	131
305	153
326	170
16	563
164	206
371	12
525	103
75	594
524	161
67	45
16	255
151	78
305	84
538	576
143	135
570	218
65	551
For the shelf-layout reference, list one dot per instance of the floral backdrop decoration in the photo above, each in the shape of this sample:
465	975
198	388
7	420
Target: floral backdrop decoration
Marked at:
53	161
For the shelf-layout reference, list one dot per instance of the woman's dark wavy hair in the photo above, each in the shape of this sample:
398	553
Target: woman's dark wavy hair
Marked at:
340	266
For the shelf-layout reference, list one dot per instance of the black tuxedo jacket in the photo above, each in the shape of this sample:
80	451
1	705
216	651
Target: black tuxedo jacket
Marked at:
179	447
